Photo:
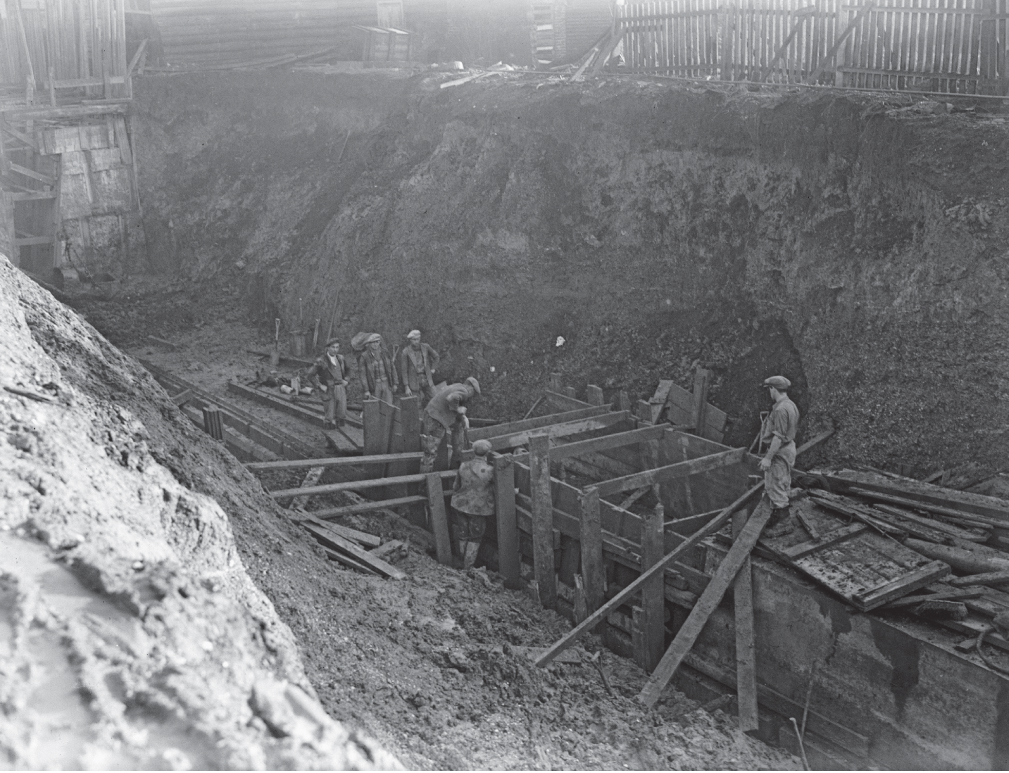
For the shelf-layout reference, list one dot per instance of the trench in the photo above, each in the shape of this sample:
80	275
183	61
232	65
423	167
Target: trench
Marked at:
613	234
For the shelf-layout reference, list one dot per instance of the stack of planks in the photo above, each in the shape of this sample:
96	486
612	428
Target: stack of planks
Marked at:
354	549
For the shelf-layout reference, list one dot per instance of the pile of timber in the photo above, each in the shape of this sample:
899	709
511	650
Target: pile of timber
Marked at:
354	549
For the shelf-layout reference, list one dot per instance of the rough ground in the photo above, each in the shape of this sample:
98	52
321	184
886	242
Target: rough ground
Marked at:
131	635
431	667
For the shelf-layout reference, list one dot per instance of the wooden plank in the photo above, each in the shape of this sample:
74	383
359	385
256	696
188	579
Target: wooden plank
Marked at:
486	433
829	56
363	538
333	461
327	513
357	485
746	651
499	443
346	560
509	560
594	394
562	402
672	472
341	545
894	589
987	578
589	622
311	479
590	537
616	440
706	604
826	540
280	404
26	172
542	512
439	518
781	50
949	594
653	601
700	395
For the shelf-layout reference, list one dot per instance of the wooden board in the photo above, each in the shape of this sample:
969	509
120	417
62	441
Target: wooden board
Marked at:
587	412
343	546
861	566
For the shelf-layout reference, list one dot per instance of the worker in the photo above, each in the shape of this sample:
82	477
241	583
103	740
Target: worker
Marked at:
446	412
418	362
328	374
378	377
472	503
778	430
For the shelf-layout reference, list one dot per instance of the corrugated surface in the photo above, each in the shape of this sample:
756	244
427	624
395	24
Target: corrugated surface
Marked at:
230	31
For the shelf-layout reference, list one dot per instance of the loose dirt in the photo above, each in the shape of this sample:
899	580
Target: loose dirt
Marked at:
433	667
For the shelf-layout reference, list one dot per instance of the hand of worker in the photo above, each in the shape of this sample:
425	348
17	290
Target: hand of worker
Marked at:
344	382
765	464
323	387
408	392
461	410
367	395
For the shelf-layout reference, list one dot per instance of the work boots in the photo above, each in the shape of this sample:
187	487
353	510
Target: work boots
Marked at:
780	522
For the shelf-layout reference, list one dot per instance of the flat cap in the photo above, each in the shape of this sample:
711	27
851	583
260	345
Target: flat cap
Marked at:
475	384
778	382
482	447
373	338
332	341
413	334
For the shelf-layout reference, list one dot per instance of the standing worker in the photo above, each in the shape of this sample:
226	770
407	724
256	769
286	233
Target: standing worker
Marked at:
329	375
446	411
418	362
472	503
378	377
779	430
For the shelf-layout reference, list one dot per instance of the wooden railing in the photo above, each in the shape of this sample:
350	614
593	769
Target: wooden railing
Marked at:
941	46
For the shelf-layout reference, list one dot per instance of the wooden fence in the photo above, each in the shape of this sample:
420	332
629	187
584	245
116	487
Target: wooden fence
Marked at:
59	45
942	46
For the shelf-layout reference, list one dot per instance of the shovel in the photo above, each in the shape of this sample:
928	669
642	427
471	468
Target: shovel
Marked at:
275	352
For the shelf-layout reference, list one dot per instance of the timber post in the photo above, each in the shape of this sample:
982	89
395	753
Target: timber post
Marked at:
653	601
509	560
542	517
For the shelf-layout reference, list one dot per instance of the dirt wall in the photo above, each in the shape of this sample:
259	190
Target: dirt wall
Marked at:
854	243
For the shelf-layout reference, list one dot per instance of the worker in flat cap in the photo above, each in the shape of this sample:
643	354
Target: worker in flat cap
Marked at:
418	363
472	503
446	412
328	375
378	377
778	431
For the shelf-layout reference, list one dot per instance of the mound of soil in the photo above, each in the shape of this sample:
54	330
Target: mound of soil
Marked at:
131	635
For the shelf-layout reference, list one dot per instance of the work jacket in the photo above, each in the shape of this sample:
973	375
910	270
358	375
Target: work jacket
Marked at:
324	370
474	493
444	406
371	368
414	363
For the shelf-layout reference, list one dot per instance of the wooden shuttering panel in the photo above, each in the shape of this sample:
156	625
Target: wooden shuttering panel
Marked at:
233	31
851	559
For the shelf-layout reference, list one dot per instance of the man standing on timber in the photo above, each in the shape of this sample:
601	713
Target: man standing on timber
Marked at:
779	431
418	362
446	412
378	377
472	503
329	375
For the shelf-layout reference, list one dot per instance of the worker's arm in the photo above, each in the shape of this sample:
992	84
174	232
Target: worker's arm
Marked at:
362	369
433	358
765	463
404	364
312	376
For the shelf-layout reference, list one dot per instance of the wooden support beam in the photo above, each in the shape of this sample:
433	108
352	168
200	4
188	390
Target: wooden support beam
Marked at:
497	430
746	652
594	394
589	622
543	519
782	48
311	478
672	472
643	411
832	51
509	560
26	172
558	430
183	397
616	440
338	544
653	599
590	537
357	485
286	406
706	604
699	413
439	519
136	57
366	507
362	538
634	497
334	461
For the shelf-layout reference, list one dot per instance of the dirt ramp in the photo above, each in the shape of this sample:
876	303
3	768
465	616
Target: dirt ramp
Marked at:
130	634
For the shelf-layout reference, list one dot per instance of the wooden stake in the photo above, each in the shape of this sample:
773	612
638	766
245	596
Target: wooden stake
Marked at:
706	604
439	519
701	378
590	537
509	560
746	656
653	600
594	394
543	513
